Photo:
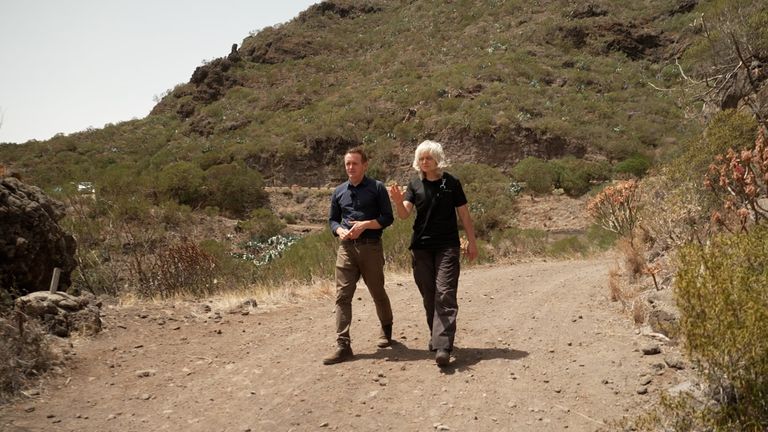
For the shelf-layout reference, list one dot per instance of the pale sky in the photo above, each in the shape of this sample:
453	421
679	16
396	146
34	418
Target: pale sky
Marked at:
66	65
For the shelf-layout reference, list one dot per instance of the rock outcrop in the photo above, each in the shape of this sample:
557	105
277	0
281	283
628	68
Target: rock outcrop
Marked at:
31	241
62	314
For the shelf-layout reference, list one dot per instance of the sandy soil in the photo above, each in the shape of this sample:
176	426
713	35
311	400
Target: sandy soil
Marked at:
539	348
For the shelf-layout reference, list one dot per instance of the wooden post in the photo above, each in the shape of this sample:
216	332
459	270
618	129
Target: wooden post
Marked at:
55	280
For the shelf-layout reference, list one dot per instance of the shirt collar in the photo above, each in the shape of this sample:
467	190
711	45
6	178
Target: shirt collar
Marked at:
362	183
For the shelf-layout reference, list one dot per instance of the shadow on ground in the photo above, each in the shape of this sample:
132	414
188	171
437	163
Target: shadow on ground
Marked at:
461	359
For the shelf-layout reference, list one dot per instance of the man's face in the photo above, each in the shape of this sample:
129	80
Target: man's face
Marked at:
355	167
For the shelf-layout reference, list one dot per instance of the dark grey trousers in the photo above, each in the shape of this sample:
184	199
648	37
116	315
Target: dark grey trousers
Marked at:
436	273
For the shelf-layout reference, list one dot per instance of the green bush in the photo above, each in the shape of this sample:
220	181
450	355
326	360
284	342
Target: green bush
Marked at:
727	129
491	201
575	176
722	294
538	175
234	188
310	258
636	165
181	181
262	224
397	239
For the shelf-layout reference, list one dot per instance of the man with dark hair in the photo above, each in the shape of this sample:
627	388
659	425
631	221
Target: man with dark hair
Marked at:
360	210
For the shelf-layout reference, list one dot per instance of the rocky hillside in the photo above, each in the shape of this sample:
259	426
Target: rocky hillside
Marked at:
494	80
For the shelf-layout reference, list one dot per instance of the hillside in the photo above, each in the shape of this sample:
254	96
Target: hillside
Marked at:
494	80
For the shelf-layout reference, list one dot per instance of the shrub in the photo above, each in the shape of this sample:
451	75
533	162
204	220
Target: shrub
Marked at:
262	224
568	246
674	212
538	176
727	129
741	181
24	354
636	165
616	208
181	181
234	188
491	200
722	295
575	176
397	239
181	269
229	268
310	258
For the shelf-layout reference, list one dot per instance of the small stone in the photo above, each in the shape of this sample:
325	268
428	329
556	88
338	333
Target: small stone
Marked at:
674	362
651	350
145	373
324	424
642	390
145	396
645	380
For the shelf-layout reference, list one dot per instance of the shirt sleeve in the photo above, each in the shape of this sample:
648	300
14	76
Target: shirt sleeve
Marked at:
334	215
459	199
386	217
410	194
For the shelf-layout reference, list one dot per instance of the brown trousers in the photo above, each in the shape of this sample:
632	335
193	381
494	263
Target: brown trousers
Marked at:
354	259
436	273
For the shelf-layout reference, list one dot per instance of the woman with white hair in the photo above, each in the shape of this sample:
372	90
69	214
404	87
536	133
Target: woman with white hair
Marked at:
438	197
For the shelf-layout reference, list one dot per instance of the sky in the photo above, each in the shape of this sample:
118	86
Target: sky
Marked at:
69	65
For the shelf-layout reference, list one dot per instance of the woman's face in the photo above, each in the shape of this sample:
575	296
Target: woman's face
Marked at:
427	163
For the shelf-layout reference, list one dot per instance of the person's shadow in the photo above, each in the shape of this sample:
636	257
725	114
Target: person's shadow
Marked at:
462	359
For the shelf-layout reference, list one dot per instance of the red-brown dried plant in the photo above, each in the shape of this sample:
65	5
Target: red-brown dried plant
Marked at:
740	179
615	208
181	269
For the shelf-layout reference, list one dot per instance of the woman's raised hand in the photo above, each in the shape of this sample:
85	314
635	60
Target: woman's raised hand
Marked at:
395	194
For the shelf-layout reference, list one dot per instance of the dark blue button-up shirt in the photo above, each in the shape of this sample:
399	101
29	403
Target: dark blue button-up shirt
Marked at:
368	200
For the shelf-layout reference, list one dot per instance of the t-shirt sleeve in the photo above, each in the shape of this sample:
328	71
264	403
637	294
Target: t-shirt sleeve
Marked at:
459	199
410	193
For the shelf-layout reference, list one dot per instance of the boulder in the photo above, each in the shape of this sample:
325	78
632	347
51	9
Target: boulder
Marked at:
31	241
62	314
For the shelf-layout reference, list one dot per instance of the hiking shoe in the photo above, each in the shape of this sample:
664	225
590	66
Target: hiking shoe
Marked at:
342	353
385	339
443	357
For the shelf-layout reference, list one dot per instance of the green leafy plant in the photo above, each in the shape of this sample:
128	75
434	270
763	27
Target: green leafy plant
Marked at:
538	175
722	295
261	225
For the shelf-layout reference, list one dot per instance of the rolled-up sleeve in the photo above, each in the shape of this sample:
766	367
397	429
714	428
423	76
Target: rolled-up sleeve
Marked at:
386	217
334	215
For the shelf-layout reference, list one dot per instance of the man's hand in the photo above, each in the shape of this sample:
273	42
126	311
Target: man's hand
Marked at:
357	229
342	233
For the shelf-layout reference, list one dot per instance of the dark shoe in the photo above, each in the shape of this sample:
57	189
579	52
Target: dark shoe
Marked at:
342	353
385	339
443	357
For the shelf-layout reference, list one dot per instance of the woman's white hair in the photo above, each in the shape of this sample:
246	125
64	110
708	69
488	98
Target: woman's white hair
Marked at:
435	149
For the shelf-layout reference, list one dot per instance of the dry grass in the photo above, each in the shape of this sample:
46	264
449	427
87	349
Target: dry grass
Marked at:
634	257
25	354
639	310
630	295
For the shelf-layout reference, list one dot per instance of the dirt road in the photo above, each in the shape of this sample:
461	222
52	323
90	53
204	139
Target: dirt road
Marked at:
539	348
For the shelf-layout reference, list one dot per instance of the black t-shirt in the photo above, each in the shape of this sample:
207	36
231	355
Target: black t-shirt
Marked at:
441	229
